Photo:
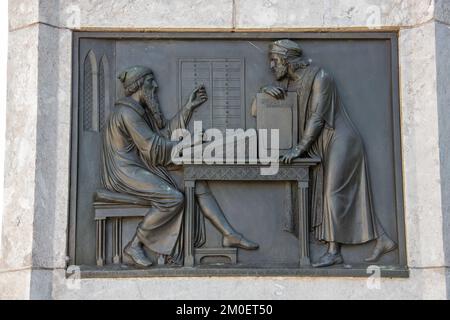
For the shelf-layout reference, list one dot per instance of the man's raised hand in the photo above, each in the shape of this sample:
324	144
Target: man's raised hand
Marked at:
197	97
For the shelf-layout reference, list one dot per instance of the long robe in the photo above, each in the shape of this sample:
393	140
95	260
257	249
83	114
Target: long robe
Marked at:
135	156
346	213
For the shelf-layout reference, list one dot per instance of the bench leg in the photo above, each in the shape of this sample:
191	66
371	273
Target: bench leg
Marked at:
117	240
100	242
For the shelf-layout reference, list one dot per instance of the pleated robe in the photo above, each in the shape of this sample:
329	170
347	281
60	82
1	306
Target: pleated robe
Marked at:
342	209
135	156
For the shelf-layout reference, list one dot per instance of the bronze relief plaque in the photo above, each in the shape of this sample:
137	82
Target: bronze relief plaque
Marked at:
332	206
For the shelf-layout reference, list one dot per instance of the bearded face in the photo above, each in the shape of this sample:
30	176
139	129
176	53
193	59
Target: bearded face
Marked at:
279	66
150	99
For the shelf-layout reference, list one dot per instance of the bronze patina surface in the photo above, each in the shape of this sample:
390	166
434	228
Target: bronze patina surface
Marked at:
335	203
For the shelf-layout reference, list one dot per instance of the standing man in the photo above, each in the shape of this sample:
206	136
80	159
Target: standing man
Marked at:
345	215
136	151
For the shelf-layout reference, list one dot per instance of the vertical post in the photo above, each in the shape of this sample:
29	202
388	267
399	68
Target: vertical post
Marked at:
117	241
189	224
100	242
303	225
97	243
289	223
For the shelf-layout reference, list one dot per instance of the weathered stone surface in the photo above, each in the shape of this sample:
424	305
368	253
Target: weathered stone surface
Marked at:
443	100
442	11
15	285
52	155
35	221
139	14
38	141
420	133
22	13
41	284
308	14
332	14
423	284
20	157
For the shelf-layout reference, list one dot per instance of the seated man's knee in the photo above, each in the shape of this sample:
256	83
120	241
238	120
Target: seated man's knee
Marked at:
178	199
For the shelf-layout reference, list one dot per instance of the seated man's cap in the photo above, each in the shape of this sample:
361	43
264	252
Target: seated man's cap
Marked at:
133	74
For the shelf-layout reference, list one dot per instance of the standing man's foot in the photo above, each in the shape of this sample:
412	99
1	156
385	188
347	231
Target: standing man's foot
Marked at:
237	240
383	246
137	254
329	259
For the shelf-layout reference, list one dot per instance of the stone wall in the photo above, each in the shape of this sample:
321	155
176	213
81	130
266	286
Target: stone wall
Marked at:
35	219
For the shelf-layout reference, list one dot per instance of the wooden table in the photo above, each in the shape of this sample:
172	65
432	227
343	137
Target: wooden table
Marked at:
298	171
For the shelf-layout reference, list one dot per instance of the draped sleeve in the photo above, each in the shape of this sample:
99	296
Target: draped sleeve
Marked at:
154	149
322	108
179	121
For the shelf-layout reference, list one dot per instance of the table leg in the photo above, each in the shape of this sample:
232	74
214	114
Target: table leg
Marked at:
100	242
303	226
189	224
117	240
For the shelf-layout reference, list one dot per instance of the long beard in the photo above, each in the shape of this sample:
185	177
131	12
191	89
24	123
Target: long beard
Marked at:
281	72
152	102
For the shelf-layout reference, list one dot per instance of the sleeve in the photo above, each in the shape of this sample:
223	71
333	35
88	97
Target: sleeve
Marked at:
179	121
154	149
322	109
254	110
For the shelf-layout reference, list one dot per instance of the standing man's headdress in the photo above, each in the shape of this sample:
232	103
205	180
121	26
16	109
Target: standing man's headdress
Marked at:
287	48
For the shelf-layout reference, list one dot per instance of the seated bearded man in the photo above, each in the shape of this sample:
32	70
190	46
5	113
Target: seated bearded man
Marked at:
136	152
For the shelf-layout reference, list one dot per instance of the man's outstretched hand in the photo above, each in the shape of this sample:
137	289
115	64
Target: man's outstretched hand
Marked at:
292	154
276	92
197	98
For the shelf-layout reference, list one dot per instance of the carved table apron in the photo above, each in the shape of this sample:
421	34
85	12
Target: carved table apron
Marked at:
297	171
